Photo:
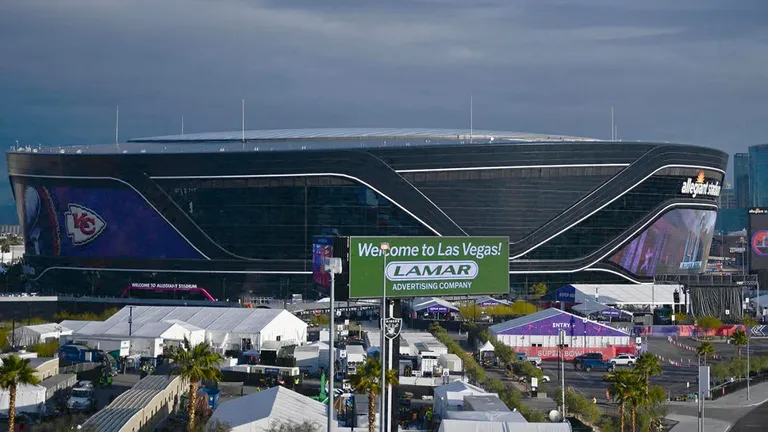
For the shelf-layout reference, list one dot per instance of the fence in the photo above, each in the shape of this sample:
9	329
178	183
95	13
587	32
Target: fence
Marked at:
78	367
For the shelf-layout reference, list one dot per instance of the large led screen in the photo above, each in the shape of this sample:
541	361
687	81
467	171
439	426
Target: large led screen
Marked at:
677	243
322	248
758	239
98	222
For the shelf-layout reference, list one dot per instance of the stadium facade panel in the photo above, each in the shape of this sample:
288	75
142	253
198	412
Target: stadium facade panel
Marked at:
215	209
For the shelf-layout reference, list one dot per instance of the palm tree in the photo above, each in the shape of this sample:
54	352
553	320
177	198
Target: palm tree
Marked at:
739	338
648	366
13	372
195	364
637	396
622	385
367	380
704	350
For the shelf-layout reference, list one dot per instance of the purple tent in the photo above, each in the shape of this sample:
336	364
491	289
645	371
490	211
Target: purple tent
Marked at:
551	321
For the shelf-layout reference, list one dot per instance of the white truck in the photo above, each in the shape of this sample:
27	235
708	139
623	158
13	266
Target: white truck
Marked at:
82	397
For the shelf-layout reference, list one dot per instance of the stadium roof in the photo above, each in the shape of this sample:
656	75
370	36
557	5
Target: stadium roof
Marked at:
304	140
355	134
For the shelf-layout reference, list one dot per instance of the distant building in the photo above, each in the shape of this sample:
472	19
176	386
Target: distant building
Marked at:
728	198
758	175
731	219
741	177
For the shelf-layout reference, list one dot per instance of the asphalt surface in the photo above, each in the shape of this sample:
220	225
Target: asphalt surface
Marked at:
754	421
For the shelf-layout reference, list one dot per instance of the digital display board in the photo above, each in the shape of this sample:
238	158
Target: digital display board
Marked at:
322	248
677	243
758	239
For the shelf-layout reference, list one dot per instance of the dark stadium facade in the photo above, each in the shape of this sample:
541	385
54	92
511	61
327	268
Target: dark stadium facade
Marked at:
237	212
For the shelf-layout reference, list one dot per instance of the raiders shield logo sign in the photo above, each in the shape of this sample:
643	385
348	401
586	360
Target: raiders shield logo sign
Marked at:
392	327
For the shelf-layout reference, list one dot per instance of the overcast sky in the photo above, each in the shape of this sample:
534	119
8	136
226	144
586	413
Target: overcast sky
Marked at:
693	71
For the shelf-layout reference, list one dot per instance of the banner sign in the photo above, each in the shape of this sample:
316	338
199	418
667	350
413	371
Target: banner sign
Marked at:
428	266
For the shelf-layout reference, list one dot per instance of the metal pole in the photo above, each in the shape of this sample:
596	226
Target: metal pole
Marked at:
700	422
382	428
331	349
562	367
389	361
748	370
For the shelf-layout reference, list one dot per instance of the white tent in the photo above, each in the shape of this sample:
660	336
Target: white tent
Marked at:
225	328
450	397
29	398
492	426
257	411
487	347
646	294
33	334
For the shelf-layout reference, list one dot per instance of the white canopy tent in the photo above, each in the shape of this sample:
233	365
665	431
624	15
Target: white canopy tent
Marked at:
33	334
256	412
225	328
492	426
487	347
646	294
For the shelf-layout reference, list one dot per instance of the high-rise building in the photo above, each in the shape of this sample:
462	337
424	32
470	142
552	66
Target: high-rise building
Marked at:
728	198
758	175
741	185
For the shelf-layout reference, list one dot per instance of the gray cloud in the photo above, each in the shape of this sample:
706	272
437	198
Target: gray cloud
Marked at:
689	70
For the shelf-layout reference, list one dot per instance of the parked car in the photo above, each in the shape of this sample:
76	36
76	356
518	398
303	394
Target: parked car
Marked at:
535	360
590	364
623	360
588	356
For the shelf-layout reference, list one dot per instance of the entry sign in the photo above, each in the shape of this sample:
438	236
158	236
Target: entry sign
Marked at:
428	266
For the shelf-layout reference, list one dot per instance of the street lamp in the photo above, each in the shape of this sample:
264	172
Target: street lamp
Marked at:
384	246
334	267
748	331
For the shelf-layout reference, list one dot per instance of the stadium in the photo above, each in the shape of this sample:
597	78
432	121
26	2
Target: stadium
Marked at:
243	209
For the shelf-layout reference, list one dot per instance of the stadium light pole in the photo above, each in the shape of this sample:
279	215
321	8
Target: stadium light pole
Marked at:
384	246
332	266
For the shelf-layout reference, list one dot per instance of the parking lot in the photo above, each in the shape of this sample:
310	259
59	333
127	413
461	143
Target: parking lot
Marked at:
675	380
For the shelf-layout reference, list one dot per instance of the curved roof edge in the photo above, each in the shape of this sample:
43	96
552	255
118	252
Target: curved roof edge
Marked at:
318	134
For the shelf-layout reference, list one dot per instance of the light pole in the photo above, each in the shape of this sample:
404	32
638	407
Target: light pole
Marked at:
748	370
332	266
561	335
384	249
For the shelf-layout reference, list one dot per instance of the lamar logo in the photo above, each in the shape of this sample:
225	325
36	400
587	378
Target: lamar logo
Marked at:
431	270
83	224
700	187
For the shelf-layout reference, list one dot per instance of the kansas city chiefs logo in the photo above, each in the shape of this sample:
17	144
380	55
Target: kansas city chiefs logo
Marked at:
83	224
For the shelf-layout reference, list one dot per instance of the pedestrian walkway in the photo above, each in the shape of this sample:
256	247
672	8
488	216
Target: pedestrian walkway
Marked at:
690	424
758	395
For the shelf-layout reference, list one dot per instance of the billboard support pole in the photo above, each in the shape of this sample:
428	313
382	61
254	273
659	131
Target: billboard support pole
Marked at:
384	248
332	266
389	362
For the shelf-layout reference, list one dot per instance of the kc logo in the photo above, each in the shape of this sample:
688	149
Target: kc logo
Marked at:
83	224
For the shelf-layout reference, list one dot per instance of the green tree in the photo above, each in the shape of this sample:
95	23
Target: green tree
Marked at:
13	372
709	323
704	350
539	290
647	366
578	405
368	381
622	385
194	364
739	338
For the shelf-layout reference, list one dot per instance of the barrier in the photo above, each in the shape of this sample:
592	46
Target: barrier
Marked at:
690	348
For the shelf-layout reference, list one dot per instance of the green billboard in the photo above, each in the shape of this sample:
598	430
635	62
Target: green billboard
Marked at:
428	266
